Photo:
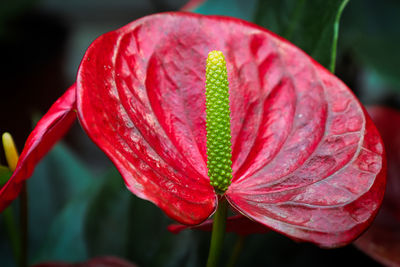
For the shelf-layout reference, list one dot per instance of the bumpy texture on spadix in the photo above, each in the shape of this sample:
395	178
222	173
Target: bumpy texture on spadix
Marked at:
218	122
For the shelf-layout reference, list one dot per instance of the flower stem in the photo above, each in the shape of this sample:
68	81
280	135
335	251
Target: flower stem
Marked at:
24	225
236	251
218	233
12	158
336	35
14	235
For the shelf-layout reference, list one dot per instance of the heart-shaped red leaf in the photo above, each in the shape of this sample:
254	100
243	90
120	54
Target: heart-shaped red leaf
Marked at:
382	240
47	132
307	161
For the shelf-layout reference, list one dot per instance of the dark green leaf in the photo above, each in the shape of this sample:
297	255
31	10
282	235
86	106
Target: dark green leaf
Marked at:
118	223
308	24
371	32
5	174
105	223
55	227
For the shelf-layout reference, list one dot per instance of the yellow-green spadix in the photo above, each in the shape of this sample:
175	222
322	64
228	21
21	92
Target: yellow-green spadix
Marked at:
219	150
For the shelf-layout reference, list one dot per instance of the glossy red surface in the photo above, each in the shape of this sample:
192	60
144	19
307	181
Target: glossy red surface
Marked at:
382	240
307	161
47	132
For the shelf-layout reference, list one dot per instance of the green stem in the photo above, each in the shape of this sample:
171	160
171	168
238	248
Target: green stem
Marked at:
24	225
14	235
336	35
236	251
218	233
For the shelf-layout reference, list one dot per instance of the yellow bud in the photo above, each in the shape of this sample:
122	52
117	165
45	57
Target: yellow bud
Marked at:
10	151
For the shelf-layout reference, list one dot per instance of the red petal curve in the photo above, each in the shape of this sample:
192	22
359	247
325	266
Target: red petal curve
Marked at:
52	127
382	240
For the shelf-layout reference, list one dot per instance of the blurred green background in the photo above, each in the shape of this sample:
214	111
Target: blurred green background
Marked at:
79	207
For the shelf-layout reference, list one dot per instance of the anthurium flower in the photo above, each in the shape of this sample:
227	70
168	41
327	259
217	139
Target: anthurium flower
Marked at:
382	240
306	159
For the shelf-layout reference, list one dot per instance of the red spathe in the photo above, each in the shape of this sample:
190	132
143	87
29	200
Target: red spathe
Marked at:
307	160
